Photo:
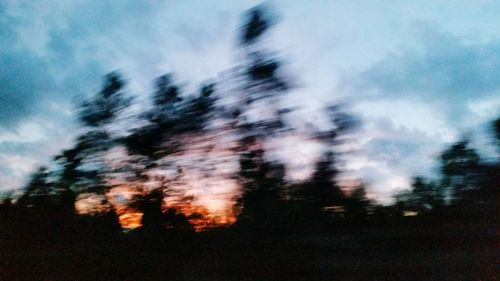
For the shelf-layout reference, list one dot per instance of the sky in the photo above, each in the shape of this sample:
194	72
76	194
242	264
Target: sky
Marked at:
419	74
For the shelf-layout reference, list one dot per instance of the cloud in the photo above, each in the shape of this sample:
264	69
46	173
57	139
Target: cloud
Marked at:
56	53
417	100
445	71
390	153
23	84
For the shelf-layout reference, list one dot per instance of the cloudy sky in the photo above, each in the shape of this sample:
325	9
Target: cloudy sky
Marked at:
420	74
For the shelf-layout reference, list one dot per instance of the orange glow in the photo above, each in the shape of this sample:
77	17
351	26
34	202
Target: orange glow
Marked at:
202	215
91	204
206	199
206	218
130	220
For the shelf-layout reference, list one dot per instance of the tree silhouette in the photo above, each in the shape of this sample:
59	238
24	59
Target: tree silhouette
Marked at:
169	125
260	204
324	190
319	196
150	205
261	83
171	119
425	195
460	166
488	194
44	194
48	205
52	193
38	190
496	132
357	205
103	108
83	167
255	23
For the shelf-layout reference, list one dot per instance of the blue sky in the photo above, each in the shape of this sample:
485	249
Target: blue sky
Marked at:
420	74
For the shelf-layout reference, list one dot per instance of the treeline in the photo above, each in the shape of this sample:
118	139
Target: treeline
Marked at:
467	186
222	132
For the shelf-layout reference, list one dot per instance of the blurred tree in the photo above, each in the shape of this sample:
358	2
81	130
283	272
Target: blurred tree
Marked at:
496	129
459	158
460	168
261	79
150	205
83	166
103	108
52	193
171	119
44	193
357	204
342	123
496	136
489	193
161	119
176	220
50	205
260	204
324	190
258	117
38	190
401	203
321	191
170	124
255	23
425	195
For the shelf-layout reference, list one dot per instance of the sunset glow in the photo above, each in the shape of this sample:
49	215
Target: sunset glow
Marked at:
130	220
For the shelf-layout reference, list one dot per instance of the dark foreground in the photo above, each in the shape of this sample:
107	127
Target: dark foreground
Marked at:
392	252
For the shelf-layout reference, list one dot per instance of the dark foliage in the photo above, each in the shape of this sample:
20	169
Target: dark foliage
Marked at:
104	107
256	22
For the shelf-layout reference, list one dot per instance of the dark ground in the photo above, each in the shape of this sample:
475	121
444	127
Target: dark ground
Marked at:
392	252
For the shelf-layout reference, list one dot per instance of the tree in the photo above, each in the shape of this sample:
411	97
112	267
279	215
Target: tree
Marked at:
260	203
150	205
103	108
489	193
38	190
50	206
460	169
357	204
496	130
321	191
83	167
161	121
44	193
425	195
256	22
171	119
52	193
261	84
